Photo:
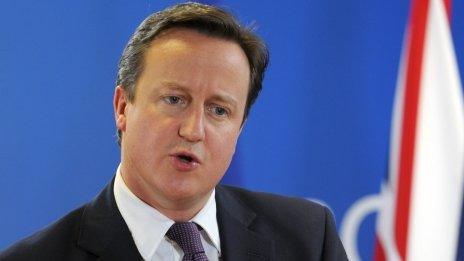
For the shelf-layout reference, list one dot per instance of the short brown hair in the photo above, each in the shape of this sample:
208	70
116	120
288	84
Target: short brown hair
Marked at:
208	20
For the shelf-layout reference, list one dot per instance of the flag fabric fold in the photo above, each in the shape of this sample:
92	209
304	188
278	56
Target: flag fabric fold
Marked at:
423	195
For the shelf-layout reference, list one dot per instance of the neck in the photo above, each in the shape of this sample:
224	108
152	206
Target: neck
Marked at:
180	214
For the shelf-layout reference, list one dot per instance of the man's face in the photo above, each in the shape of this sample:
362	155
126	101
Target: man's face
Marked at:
180	132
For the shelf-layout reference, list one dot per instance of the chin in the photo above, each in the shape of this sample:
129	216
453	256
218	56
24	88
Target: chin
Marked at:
186	193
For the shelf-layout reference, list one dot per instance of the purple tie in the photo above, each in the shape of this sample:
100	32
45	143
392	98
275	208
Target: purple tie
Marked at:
187	236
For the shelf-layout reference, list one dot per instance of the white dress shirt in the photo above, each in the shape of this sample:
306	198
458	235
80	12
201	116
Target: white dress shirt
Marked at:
148	226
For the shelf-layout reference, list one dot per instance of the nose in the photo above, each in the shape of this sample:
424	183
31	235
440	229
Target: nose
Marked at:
192	127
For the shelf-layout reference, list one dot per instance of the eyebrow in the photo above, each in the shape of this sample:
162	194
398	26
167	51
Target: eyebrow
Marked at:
174	86
220	97
226	98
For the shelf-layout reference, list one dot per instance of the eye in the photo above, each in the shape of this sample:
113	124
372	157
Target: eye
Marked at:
219	111
172	100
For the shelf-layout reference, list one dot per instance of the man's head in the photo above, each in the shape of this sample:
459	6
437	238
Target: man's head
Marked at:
205	19
186	81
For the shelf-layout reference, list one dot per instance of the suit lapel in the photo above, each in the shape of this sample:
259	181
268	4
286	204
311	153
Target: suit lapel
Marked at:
238	241
105	234
103	231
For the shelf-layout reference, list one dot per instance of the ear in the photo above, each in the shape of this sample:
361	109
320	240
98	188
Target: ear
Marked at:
119	106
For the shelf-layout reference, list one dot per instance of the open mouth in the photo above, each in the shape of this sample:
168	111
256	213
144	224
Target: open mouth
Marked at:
185	161
185	158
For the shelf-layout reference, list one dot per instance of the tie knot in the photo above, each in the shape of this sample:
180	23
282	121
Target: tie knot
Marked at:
187	236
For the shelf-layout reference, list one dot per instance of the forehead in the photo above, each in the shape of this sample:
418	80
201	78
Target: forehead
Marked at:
180	38
179	51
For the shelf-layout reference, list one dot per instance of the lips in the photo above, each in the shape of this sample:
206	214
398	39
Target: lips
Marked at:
184	161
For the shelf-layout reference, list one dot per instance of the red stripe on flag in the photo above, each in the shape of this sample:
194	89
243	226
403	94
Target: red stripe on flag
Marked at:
447	4
408	134
379	252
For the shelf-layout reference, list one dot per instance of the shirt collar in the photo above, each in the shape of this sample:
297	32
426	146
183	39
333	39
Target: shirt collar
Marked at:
206	218
148	226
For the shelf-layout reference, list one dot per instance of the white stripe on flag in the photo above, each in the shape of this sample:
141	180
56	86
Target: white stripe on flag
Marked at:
438	170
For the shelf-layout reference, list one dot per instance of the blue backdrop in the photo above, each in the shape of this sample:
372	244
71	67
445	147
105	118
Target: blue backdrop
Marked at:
320	128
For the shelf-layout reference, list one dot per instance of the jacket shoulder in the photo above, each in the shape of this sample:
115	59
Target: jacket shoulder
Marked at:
278	206
297	225
53	242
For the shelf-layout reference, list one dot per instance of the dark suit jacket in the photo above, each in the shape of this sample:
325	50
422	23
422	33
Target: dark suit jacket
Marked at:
252	226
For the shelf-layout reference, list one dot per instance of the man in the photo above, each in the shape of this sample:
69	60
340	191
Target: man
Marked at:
186	82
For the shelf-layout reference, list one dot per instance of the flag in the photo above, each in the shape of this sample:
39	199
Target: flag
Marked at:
421	209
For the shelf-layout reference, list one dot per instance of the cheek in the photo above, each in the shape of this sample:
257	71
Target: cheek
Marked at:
224	147
148	131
